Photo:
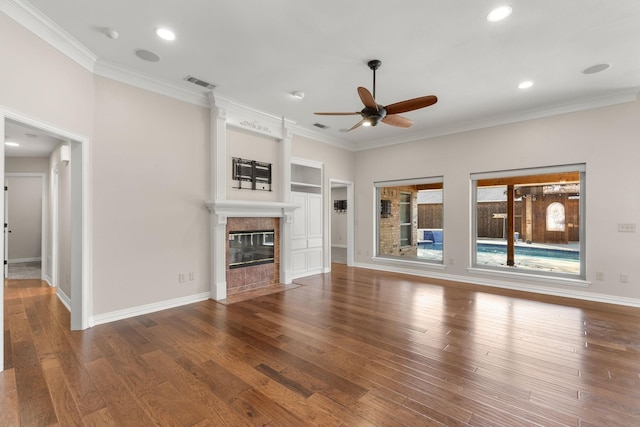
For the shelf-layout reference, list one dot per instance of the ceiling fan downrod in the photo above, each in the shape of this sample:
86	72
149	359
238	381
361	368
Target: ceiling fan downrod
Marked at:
374	64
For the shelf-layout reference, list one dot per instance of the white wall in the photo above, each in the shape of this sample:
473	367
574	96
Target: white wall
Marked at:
26	165
250	146
150	183
38	81
606	139
338	219
60	177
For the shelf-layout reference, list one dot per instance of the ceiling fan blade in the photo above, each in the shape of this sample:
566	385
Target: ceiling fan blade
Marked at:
357	125
367	98
338	114
411	104
398	121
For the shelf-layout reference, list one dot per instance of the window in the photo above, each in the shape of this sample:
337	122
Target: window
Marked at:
555	217
409	220
530	220
405	219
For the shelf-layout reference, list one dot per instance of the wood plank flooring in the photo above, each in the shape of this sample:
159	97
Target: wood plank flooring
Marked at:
352	348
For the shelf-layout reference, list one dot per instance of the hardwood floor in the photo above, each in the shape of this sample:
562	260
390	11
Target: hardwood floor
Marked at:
355	347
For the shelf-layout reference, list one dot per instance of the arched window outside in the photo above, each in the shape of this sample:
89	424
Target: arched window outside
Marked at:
555	217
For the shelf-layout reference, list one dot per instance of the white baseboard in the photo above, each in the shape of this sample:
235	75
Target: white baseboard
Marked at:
147	308
66	301
49	280
489	282
21	260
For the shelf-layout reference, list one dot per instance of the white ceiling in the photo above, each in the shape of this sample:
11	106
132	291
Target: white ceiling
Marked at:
258	52
33	142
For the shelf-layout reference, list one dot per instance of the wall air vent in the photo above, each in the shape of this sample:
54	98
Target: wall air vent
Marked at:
321	126
199	82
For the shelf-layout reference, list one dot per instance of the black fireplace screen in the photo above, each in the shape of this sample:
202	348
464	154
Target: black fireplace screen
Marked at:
250	248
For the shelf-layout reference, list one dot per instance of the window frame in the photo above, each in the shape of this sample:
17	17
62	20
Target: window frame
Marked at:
580	168
377	186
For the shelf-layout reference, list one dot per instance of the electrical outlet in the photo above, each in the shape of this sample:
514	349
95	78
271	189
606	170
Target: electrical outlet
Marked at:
181	277
624	278
452	261
192	276
599	275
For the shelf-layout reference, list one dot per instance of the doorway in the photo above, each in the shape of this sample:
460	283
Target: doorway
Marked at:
25	242
77	232
341	222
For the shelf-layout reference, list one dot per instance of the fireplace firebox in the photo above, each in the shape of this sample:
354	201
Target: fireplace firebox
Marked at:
247	248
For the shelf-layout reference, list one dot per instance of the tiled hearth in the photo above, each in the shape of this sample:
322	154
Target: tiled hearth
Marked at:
257	276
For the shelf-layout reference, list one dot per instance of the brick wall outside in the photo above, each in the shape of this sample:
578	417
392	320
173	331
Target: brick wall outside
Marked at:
390	227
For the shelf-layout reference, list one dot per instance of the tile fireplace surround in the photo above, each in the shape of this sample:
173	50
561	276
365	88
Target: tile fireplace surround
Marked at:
255	276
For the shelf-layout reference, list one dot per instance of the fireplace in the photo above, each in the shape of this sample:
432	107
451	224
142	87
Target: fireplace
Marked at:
251	247
252	253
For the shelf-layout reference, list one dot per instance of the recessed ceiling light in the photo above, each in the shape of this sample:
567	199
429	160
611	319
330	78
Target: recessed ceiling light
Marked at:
525	85
596	68
298	94
165	34
147	55
499	13
11	144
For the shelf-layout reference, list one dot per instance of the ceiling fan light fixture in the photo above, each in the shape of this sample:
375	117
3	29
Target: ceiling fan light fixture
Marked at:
499	13
373	113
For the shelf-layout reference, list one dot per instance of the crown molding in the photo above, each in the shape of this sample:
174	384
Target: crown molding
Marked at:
317	136
32	19
116	72
619	97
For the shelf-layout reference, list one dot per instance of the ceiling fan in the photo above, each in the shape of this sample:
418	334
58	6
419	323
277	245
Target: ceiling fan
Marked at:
372	113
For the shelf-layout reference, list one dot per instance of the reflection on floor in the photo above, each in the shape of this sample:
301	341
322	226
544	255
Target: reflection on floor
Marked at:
268	290
24	270
338	255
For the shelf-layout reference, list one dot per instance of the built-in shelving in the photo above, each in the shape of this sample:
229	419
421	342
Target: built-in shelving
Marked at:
306	178
307	229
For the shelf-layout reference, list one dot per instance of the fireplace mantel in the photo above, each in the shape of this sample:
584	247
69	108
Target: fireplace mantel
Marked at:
226	113
242	208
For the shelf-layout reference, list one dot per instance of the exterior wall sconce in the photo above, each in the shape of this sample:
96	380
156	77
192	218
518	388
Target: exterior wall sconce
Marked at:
385	208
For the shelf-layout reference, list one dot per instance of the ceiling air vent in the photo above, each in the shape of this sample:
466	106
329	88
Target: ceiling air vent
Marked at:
321	126
199	82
